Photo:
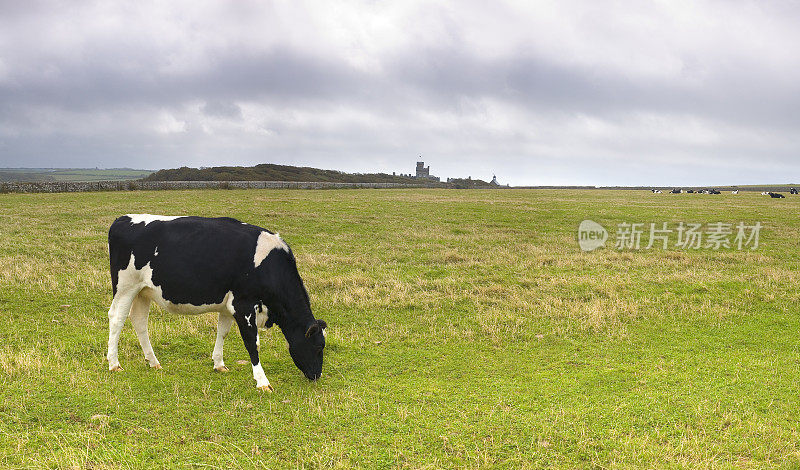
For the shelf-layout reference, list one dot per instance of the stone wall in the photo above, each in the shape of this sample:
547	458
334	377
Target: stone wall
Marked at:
71	187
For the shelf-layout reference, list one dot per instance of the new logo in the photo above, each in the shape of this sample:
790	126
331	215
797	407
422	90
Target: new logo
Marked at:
591	235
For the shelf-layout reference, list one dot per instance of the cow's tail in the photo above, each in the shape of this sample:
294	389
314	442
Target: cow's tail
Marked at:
115	253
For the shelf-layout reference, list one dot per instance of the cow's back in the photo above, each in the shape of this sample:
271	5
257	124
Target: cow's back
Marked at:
192	260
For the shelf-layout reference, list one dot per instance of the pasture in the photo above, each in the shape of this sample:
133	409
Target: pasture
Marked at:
71	174
466	329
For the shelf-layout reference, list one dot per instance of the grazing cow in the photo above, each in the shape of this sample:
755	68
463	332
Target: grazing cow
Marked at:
676	191
656	191
714	191
776	195
193	265
690	191
793	191
735	191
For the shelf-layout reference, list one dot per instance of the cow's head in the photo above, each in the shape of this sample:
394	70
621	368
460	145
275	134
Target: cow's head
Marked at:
305	347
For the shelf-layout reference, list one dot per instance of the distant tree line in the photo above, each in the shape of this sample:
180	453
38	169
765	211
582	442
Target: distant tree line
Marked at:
272	172
462	183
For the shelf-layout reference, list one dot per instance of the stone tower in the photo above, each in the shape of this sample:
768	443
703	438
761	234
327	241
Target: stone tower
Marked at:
423	171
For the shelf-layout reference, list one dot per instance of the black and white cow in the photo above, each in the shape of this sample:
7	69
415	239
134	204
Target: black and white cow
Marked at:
776	195
193	265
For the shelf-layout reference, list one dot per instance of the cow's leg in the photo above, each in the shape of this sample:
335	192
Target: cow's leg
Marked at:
246	319
224	323
140	311
120	308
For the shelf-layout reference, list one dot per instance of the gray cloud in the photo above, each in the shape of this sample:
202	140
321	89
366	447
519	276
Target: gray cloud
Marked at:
565	93
223	110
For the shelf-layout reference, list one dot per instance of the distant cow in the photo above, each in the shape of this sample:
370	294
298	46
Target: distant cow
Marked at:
193	265
676	191
776	195
656	191
793	191
735	191
690	191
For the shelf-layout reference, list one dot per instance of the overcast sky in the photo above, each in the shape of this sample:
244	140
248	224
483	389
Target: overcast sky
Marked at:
538	92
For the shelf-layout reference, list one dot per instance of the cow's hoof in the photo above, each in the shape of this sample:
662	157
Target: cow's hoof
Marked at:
157	367
221	369
116	369
266	388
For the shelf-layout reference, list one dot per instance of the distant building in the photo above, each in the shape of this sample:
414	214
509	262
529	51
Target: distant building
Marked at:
494	181
424	172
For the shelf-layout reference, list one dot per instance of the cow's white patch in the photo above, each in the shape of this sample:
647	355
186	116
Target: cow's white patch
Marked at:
324	332
147	218
265	244
128	279
259	376
248	317
127	289
156	252
224	322
154	293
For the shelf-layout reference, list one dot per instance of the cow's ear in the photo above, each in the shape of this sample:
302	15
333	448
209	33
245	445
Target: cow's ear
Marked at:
312	330
322	324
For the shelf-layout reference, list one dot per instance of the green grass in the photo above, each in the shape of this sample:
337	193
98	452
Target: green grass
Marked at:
466	329
71	174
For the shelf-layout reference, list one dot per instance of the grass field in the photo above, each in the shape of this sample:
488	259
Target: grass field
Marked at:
466	329
71	174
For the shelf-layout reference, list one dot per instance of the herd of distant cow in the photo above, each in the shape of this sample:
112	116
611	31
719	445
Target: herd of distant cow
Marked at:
716	191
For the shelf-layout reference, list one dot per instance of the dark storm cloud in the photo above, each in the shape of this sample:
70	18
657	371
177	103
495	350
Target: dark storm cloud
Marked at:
537	93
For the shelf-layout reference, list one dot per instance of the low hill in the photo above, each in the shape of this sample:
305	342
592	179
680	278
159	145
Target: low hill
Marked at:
273	172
